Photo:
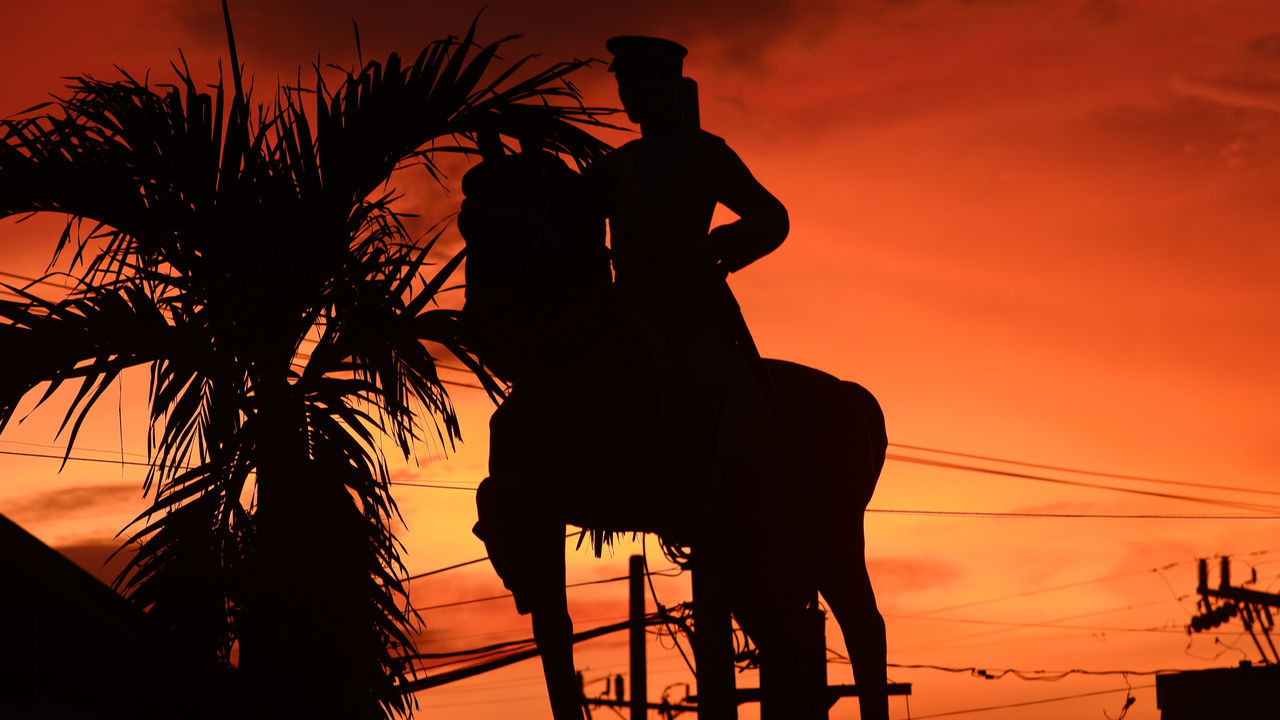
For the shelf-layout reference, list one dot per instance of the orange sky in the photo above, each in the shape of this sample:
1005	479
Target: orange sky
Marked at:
1036	230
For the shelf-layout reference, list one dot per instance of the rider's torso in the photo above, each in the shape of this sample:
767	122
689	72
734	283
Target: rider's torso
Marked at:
659	196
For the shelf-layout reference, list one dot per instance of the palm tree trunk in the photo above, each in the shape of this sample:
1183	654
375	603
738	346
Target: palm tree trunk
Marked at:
307	649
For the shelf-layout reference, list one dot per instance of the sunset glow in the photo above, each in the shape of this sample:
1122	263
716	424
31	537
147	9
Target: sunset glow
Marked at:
1037	231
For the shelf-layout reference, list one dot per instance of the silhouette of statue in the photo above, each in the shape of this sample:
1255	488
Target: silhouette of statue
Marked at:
642	405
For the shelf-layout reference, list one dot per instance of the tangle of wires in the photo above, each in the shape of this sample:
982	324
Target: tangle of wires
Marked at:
745	653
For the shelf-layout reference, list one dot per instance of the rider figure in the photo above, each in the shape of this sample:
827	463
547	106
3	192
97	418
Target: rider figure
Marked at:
658	193
726	446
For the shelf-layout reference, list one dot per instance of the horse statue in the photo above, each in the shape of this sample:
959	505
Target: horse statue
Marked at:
590	435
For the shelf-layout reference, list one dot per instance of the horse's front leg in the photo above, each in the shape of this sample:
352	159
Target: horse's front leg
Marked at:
527	551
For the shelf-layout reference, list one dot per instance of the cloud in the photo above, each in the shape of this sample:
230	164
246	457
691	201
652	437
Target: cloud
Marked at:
1266	47
47	504
893	576
1247	90
741	32
1105	12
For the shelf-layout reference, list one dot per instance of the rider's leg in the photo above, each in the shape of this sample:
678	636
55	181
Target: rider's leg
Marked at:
527	551
553	632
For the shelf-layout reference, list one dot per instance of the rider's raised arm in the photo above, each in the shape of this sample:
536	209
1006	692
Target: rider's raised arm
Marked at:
763	223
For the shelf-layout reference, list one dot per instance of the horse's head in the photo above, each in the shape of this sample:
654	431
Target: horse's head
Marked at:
537	265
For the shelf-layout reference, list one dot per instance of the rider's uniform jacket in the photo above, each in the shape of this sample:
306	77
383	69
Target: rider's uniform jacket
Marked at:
658	194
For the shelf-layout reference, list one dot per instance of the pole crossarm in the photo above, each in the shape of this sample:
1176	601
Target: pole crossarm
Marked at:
748	695
1243	595
1227	591
659	706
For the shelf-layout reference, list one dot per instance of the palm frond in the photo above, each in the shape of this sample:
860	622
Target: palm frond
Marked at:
221	235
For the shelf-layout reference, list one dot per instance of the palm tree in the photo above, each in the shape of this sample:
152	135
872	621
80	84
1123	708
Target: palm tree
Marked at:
263	273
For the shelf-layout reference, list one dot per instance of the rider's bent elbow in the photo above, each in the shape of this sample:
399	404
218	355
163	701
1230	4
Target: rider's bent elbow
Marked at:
782	226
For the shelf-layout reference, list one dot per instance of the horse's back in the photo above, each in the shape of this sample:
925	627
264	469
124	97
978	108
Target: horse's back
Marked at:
835	428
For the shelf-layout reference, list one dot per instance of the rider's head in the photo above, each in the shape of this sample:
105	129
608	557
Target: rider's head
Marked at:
648	72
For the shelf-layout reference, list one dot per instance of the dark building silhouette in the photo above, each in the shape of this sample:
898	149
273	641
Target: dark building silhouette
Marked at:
73	649
1240	693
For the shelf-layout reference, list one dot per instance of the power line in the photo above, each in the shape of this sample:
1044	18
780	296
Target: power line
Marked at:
584	583
69	458
139	463
517	656
433	486
524	629
507	595
1079	516
886	511
40	281
1027	515
447	568
977	513
1032	702
1008	625
1052	588
1096	473
1032	675
486	701
78	447
455	566
1078	483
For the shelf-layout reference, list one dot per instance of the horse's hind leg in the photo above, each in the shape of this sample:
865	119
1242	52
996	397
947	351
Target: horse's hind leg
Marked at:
847	588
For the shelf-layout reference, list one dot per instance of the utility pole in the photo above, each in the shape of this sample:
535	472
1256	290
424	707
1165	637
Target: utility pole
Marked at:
717	697
639	669
1252	606
1247	691
712	643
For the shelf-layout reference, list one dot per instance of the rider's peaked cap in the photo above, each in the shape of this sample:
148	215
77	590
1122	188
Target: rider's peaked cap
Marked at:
636	51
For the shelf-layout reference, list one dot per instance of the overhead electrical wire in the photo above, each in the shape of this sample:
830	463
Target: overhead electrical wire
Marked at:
584	583
1009	625
455	566
1078	471
1080	483
886	511
1066	516
35	281
1031	675
433	486
75	458
988	708
1048	589
446	568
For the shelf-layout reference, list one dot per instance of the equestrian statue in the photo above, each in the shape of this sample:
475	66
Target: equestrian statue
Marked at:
638	401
